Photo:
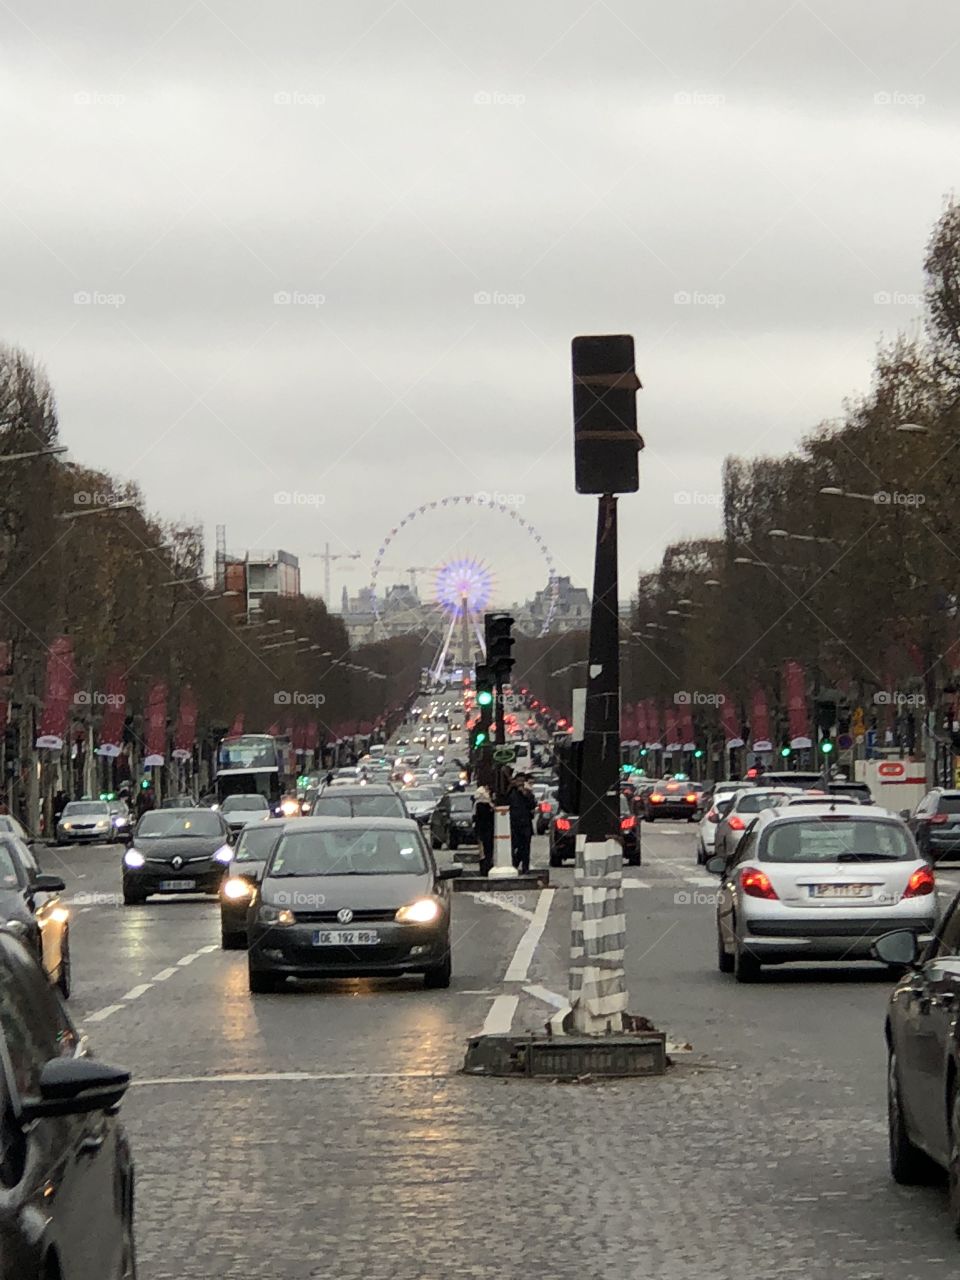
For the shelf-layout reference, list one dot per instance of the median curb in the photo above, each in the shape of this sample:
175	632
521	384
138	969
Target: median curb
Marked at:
537	879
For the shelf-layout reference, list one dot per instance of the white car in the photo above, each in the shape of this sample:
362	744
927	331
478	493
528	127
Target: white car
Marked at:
743	808
819	883
719	800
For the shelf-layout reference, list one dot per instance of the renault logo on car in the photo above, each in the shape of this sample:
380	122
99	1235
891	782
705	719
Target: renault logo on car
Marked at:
344	915
176	863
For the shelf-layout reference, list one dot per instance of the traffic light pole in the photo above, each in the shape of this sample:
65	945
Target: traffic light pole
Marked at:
598	994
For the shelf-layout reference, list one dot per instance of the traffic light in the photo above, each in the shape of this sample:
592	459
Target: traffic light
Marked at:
484	686
606	443
826	746
784	751
497	628
698	754
478	736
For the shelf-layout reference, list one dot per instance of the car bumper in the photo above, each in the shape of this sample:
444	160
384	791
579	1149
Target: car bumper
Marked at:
670	810
291	951
85	837
204	880
845	938
943	845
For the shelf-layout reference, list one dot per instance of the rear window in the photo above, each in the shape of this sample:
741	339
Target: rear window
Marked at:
949	804
758	800
836	839
333	806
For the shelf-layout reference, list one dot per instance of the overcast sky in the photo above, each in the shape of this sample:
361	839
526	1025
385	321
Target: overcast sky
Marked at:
284	216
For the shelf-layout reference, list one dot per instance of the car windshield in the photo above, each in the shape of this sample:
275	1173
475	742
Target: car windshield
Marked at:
9	824
417	793
348	852
461	803
244	802
368	806
255	844
80	807
169	822
840	839
8	870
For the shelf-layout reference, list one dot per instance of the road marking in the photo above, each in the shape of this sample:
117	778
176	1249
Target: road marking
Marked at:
189	959
163	975
500	900
548	997
104	1013
499	1020
702	882
136	992
629	883
205	951
291	1077
522	957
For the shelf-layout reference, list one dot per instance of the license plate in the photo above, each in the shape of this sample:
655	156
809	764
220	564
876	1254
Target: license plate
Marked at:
172	886
840	890
346	938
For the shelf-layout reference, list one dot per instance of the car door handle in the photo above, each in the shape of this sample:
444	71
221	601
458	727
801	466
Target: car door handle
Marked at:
91	1143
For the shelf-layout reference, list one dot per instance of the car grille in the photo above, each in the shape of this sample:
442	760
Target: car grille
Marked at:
330	917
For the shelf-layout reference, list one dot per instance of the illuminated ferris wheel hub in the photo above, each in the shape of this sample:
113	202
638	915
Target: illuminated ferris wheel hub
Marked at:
463	589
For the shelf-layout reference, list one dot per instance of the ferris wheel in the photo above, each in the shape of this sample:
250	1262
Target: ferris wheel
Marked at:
463	586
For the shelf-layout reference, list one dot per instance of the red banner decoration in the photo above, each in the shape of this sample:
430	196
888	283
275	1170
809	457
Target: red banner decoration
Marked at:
685	727
653	725
640	723
237	727
114	714
6	683
794	683
60	688
186	725
728	718
156	725
760	721
671	730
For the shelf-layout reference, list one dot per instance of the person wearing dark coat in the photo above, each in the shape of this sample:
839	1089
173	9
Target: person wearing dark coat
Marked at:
523	804
483	819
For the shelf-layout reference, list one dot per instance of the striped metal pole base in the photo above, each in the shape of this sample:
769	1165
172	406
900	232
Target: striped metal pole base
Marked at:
598	989
503	868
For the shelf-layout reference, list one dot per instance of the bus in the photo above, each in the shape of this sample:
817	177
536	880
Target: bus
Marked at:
255	764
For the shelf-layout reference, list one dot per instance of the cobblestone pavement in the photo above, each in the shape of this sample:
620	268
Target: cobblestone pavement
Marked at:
327	1132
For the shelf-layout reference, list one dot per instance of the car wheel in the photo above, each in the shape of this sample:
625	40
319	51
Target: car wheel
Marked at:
908	1164
650	817
454	842
439	976
262	984
232	941
63	978
633	860
555	859
746	968
435	843
132	898
701	855
724	959
128	1264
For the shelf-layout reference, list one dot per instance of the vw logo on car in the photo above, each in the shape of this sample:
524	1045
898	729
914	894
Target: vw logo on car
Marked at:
344	915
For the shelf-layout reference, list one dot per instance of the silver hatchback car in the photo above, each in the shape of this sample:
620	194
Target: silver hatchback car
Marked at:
744	808
819	883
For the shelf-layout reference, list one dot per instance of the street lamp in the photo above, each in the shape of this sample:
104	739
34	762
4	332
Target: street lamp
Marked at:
34	453
913	428
832	491
94	511
798	537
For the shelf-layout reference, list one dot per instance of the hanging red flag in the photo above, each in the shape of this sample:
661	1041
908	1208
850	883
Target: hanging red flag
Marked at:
115	711
58	695
653	725
640	723
186	725
237	727
728	718
6	683
685	727
155	720
794	683
760	721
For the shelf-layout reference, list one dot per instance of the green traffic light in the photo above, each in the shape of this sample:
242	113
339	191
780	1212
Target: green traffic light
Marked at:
484	698
697	754
643	751
480	739
784	751
826	746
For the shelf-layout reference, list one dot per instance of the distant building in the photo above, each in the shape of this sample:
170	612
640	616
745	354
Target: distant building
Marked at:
255	575
401	612
571	611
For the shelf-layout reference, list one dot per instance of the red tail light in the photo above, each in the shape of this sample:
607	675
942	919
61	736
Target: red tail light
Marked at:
692	798
656	798
628	823
713	816
920	883
935	817
544	806
563	824
756	883
736	823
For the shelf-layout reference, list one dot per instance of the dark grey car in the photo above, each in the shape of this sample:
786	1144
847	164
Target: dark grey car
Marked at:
176	851
346	897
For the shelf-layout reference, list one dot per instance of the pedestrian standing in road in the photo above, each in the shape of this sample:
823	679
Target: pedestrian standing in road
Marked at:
522	804
483	819
60	802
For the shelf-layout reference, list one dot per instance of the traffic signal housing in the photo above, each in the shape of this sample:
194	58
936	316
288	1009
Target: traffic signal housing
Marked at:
498	629
484	687
606	443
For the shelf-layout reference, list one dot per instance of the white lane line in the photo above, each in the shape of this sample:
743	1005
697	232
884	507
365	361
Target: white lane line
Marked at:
548	997
136	992
163	975
205	951
101	1014
630	883
293	1077
520	964
702	882
189	959
501	901
500	1018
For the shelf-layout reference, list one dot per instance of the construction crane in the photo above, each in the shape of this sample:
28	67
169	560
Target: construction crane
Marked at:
412	569
328	556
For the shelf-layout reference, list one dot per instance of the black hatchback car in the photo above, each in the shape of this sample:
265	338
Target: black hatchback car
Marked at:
935	824
66	1174
238	887
176	851
451	822
348	898
563	836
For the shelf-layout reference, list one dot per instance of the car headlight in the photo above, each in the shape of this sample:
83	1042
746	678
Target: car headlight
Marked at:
275	915
237	889
102	822
133	858
67	826
224	854
289	808
423	911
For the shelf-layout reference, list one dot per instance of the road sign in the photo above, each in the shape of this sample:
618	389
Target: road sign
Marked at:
504	755
857	723
845	742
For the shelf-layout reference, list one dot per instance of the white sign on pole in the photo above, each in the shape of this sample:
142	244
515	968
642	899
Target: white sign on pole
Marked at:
579	714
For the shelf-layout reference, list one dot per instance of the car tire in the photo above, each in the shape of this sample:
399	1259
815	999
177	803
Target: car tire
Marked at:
262	984
908	1164
555	859
133	899
701	855
64	976
953	1164
650	817
233	941
746	968
435	843
633	860
454	842
438	977
724	959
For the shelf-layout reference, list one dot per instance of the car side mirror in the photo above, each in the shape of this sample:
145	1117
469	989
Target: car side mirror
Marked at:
900	947
717	865
48	884
906	815
75	1086
451	872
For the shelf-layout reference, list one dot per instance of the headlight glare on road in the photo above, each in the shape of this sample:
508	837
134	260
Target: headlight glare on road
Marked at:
236	889
133	858
275	915
224	854
423	911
